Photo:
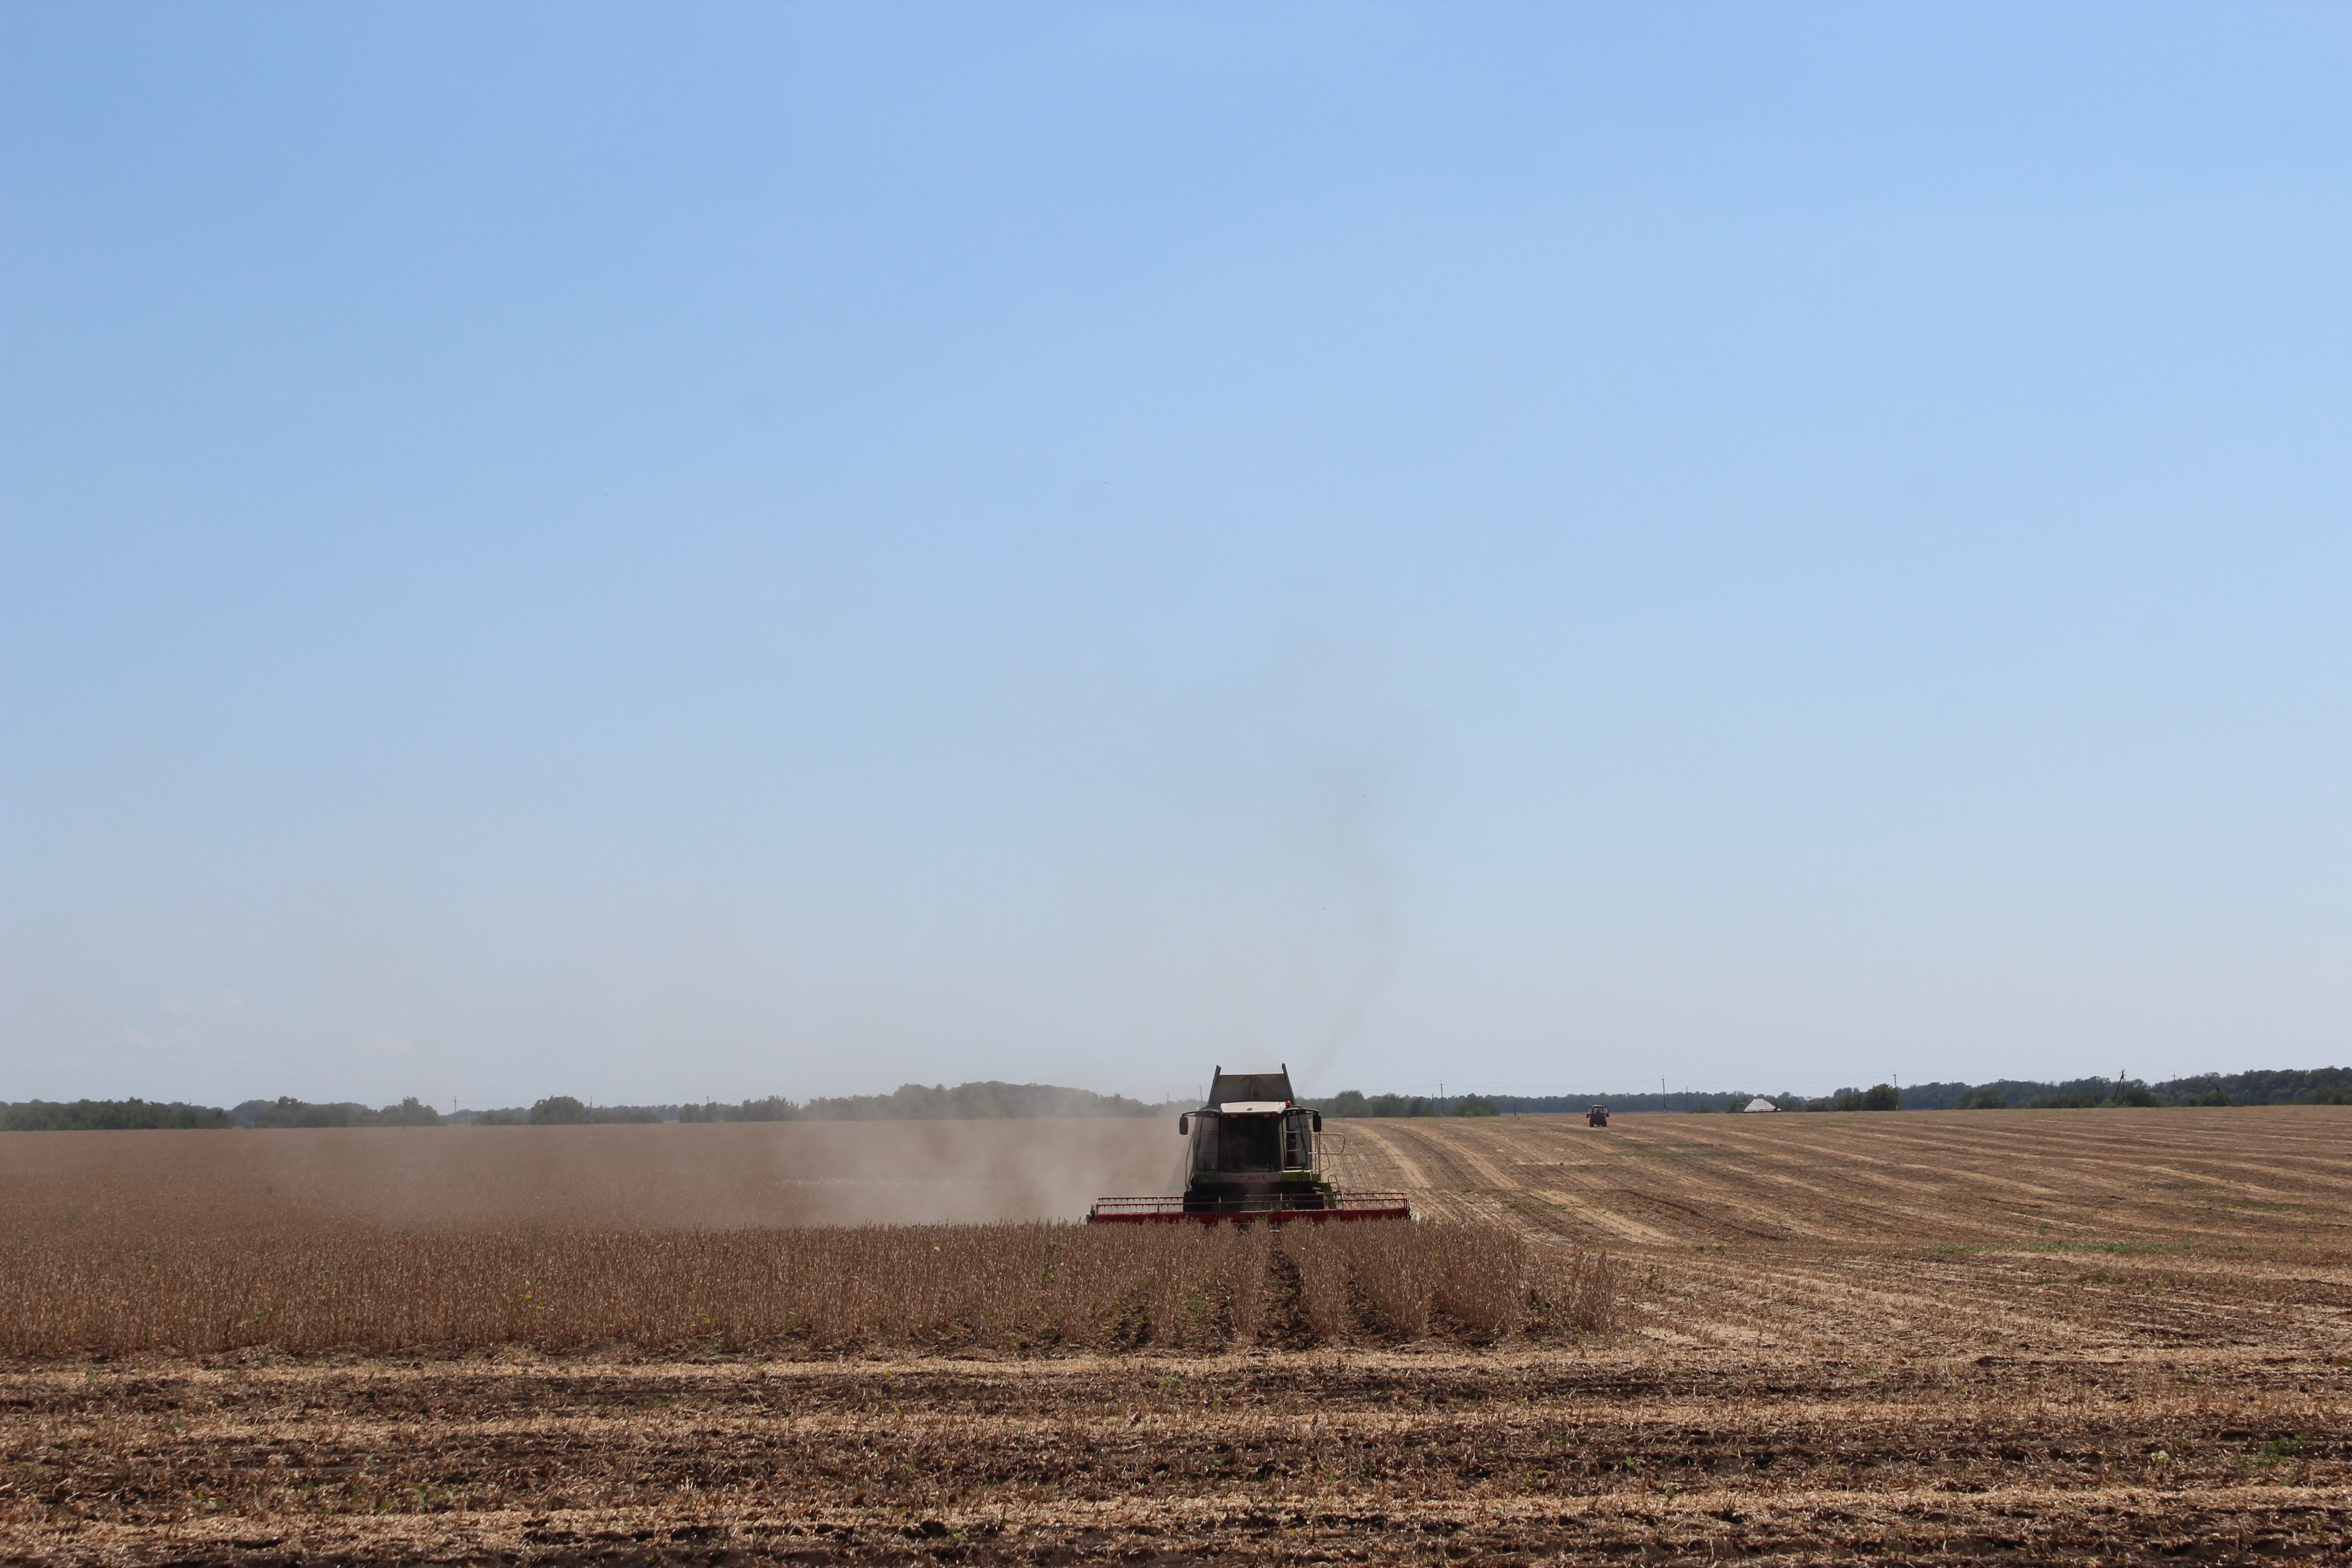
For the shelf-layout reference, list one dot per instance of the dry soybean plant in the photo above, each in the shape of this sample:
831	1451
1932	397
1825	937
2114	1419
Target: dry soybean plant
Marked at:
1018	1286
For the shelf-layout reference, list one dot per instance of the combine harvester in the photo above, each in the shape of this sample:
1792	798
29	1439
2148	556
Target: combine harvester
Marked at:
1254	1155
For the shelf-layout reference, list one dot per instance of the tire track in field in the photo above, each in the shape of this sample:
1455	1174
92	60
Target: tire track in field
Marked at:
1915	1178
1769	1186
1749	1187
1442	1184
1566	1216
1863	1193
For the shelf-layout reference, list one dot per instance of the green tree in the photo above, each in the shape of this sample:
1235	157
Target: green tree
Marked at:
106	1116
287	1111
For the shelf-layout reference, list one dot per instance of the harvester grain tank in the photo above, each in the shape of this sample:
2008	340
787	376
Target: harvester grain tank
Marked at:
1252	1153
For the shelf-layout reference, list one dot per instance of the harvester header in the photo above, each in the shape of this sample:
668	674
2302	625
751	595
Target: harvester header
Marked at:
1252	1154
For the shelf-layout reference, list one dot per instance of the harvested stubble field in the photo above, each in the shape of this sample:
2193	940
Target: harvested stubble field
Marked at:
2087	1336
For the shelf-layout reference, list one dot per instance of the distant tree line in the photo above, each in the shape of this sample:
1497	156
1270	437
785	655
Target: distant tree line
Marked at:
913	1101
775	1107
2296	1086
1355	1102
287	1111
993	1101
105	1115
984	1101
566	1110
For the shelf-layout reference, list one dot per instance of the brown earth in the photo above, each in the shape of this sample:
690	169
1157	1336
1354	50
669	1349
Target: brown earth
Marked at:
2098	1336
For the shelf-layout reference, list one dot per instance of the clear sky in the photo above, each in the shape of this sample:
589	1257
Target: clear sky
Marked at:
653	552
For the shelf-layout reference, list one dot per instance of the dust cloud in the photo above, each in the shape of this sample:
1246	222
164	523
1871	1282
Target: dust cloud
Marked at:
618	1177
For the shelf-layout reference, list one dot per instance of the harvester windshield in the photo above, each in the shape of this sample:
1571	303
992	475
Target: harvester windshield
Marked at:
1245	1143
1251	1138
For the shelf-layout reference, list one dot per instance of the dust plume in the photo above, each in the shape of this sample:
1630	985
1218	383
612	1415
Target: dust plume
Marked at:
610	1177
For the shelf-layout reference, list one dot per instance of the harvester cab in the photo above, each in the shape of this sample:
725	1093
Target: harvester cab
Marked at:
1252	1147
1253	1152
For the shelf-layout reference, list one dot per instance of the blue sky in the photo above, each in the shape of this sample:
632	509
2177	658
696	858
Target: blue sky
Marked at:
648	553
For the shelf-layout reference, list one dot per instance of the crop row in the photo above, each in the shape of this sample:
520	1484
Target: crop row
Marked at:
1019	1287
